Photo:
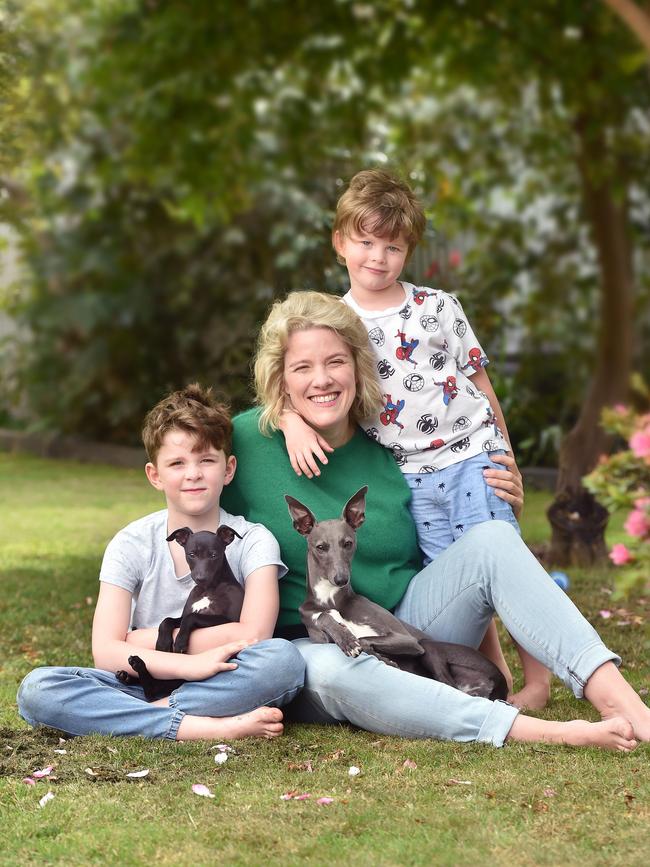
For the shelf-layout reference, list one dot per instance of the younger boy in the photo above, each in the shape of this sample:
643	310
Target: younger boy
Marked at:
145	579
441	416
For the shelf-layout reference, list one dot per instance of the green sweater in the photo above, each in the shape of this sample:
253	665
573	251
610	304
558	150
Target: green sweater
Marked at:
387	555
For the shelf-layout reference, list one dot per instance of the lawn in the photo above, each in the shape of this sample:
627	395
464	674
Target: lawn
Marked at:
451	804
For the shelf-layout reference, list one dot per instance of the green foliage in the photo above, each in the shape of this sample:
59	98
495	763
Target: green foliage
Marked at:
622	481
180	172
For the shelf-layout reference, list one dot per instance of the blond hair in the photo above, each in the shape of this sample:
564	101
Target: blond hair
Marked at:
381	204
196	411
298	312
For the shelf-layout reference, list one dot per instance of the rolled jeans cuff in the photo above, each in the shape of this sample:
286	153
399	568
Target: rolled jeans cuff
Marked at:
496	725
585	664
175	722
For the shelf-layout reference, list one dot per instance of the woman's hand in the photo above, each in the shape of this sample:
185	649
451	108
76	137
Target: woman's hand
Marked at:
507	483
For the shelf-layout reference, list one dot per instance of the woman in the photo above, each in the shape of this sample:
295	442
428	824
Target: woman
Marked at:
313	350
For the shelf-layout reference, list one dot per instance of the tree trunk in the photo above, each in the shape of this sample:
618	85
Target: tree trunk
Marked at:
578	522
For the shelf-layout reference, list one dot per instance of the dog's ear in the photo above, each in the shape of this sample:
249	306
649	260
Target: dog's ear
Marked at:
227	534
181	536
303	519
354	512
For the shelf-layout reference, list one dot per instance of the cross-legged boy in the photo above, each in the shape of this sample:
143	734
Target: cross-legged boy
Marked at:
237	676
441	417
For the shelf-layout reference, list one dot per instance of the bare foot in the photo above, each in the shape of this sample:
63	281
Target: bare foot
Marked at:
532	696
263	722
611	734
612	696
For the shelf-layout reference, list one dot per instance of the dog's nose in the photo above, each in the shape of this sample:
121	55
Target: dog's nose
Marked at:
341	580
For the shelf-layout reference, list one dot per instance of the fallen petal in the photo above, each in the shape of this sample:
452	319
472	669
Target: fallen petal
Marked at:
62	740
220	758
61	752
324	801
459	782
302	797
90	772
605	614
45	799
203	791
409	763
354	771
38	775
135	775
29	781
224	748
550	793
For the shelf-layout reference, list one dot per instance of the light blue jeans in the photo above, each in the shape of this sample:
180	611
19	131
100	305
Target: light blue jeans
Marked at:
489	570
83	701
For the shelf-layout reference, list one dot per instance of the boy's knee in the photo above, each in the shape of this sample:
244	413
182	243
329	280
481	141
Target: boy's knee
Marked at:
283	659
31	697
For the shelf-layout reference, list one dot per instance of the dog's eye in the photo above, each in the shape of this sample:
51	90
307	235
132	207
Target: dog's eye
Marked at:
190	554
347	543
213	555
323	547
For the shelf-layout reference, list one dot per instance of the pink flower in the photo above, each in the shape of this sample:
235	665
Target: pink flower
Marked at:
637	524
640	443
620	409
619	555
642	503
455	258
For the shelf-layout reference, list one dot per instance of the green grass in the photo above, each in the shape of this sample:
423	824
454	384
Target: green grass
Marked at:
525	805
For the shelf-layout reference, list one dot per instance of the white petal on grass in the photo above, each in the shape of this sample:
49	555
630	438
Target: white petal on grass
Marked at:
354	771
90	772
45	799
203	791
220	758
61	752
45	772
136	775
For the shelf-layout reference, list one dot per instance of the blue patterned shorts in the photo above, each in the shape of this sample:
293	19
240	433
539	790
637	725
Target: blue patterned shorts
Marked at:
446	503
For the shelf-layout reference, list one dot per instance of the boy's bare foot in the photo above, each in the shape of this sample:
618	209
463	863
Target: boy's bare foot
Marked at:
532	696
263	722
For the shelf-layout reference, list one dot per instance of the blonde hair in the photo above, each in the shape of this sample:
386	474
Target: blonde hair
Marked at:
196	411
381	204
300	311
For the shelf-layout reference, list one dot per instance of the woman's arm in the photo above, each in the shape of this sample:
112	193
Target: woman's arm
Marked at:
257	621
111	649
507	483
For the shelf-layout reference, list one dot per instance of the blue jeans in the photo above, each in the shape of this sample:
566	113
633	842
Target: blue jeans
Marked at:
489	570
83	701
445	504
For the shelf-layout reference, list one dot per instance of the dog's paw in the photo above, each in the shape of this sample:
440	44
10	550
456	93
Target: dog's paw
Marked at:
125	677
137	664
352	649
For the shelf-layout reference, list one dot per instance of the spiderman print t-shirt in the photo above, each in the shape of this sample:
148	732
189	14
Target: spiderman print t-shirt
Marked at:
433	416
